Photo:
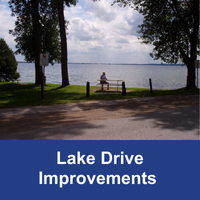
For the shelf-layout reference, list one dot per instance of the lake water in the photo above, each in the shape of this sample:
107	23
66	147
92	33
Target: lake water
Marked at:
163	76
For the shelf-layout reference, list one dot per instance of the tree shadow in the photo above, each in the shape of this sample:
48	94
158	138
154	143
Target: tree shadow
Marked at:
54	126
64	124
171	112
182	119
65	132
54	89
42	126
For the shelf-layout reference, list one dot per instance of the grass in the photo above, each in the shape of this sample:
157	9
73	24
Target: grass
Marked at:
15	95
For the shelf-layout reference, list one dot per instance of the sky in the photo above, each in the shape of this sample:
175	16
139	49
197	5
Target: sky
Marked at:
97	33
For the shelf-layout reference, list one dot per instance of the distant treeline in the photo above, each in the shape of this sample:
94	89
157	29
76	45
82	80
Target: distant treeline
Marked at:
113	63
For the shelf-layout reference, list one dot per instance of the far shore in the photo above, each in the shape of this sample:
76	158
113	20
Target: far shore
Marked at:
115	63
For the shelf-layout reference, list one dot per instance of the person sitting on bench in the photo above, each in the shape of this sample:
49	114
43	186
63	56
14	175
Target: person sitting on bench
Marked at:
103	80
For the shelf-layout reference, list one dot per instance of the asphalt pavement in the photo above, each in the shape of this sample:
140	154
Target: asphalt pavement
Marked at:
171	124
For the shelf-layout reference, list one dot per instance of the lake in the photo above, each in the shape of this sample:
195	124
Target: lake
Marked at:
163	76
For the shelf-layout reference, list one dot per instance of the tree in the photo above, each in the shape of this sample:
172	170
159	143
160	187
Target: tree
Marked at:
36	40
8	63
36	31
172	26
64	59
64	67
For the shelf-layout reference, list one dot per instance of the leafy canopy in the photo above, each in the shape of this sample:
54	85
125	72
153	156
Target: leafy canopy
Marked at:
169	25
49	29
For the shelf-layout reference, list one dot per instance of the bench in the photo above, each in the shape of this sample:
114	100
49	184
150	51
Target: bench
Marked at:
111	82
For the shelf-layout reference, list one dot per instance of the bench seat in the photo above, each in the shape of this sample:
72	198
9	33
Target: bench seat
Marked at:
110	84
116	83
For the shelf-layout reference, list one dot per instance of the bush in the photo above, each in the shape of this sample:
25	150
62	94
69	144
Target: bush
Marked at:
8	63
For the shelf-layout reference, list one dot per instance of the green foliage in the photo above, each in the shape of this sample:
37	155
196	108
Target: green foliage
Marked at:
8	64
70	2
169	25
38	30
172	26
49	29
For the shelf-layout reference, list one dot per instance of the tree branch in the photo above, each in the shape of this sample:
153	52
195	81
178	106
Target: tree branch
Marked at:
178	14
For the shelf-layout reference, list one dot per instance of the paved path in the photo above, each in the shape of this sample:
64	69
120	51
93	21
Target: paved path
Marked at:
169	124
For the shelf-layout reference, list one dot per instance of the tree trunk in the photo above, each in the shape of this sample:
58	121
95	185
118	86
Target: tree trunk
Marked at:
65	79
190	61
191	74
193	54
36	42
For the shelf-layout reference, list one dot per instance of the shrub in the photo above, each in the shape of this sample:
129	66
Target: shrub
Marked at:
8	63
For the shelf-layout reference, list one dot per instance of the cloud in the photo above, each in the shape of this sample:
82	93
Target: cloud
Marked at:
133	21
101	10
7	23
98	32
122	40
4	1
109	30
84	30
4	14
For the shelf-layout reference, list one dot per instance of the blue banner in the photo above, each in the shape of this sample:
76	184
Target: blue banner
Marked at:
158	170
